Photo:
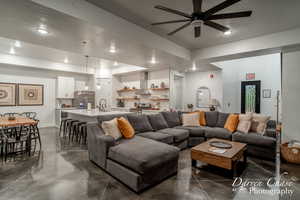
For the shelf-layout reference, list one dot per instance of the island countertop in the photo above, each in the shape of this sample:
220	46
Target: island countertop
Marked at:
93	112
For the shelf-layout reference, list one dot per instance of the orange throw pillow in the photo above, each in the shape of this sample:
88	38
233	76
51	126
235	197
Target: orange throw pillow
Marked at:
125	128
202	120
232	122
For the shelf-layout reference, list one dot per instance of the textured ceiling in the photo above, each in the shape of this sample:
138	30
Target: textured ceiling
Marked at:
268	16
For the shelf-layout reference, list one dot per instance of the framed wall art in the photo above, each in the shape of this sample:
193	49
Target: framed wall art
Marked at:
30	95
8	94
267	93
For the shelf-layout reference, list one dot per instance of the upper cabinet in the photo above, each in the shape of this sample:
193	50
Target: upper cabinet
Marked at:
65	87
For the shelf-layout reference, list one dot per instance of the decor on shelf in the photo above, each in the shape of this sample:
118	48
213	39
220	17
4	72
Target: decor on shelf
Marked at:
202	97
7	94
152	85
267	93
162	85
30	95
190	107
213	104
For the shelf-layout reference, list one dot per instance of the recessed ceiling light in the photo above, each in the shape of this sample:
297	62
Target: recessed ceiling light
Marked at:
116	63
42	29
18	44
194	67
66	60
112	48
227	32
12	50
153	60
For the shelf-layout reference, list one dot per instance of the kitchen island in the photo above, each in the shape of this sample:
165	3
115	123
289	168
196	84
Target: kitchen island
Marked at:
90	115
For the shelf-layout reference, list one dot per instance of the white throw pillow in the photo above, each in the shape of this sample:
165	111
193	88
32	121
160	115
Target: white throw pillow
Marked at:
190	119
111	128
259	123
244	123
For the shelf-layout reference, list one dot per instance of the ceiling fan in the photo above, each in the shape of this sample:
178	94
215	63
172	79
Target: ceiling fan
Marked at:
198	17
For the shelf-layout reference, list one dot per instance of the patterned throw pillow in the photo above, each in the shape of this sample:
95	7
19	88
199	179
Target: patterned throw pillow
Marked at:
259	123
111	128
190	119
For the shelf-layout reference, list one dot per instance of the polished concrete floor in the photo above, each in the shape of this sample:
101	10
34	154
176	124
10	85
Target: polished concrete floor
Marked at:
62	171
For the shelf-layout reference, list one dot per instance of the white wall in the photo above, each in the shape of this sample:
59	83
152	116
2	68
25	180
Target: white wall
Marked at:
291	95
46	113
267	69
194	80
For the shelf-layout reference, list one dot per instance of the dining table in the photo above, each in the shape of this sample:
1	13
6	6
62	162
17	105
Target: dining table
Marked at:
17	123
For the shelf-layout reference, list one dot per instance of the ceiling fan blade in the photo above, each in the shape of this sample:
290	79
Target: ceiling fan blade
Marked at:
197	6
180	28
230	15
216	26
197	30
176	12
170	22
219	7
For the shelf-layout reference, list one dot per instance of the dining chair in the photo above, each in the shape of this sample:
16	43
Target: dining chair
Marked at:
12	114
30	115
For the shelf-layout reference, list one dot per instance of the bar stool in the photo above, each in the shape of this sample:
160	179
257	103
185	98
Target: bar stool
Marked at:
69	127
83	132
76	130
63	126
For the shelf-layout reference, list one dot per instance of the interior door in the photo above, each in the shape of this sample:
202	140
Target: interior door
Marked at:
250	96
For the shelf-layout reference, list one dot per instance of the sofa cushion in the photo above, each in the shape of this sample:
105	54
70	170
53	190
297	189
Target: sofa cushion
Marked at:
142	154
194	131
178	134
211	118
222	117
255	139
217	132
172	119
157	121
161	137
140	123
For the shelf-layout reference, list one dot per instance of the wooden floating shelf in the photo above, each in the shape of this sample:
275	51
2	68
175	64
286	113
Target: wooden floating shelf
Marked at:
159	99
127	90
129	99
159	88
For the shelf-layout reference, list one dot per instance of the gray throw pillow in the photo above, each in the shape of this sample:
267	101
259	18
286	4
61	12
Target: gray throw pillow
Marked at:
172	119
157	122
140	123
211	118
222	117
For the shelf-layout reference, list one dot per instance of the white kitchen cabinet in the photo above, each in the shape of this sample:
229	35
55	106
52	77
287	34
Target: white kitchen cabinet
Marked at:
65	87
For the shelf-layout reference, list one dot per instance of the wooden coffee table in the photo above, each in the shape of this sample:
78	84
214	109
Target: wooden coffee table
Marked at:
227	160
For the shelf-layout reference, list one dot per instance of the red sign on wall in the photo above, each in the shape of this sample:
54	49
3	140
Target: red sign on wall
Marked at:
250	76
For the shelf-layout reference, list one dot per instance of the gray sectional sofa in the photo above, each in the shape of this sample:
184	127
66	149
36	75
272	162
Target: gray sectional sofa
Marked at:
152	155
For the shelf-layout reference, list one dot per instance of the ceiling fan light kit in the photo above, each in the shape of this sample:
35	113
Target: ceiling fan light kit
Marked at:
199	17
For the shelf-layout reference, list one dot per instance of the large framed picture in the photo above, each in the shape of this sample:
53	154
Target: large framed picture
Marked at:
8	94
30	95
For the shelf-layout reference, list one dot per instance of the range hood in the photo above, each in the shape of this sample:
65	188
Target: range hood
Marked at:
143	84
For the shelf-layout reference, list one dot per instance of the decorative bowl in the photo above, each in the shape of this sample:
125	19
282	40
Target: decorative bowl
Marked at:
221	145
